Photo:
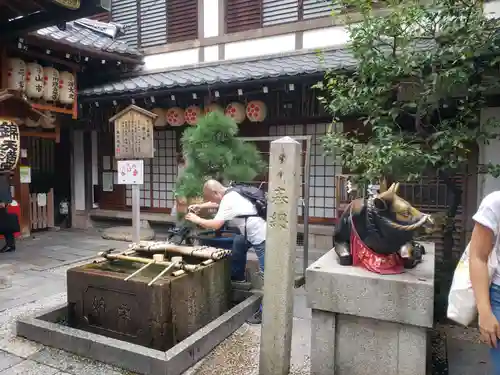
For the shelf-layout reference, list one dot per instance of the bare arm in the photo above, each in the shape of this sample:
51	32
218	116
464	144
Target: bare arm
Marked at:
209	205
481	246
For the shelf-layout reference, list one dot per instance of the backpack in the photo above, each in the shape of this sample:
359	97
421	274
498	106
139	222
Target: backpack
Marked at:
255	195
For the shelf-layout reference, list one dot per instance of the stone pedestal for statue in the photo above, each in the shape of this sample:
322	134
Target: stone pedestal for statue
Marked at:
369	324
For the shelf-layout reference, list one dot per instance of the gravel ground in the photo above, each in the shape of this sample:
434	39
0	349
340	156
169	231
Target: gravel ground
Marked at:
239	355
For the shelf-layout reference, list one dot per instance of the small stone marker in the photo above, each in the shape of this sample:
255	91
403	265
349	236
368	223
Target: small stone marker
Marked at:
283	196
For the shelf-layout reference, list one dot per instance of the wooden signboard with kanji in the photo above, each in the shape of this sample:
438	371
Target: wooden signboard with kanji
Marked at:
134	134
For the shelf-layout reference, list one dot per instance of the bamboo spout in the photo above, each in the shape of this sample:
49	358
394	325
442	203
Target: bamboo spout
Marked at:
180	266
202	252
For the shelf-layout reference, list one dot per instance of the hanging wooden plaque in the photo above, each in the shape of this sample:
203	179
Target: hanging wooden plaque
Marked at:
134	134
69	4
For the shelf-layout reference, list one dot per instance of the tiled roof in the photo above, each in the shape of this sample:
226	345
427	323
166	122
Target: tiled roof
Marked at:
231	71
78	35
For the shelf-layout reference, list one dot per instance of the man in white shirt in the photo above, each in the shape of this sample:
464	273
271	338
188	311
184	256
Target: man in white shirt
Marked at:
485	242
242	213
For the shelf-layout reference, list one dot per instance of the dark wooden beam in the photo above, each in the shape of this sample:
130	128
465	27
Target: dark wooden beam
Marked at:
45	57
92	52
52	15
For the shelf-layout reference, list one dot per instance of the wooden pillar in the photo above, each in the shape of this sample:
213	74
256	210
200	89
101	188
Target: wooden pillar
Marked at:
22	191
87	161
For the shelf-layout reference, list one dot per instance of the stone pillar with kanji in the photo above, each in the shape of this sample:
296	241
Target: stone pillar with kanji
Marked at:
279	274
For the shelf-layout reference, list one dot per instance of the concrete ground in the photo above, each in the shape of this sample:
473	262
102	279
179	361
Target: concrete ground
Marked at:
33	279
466	355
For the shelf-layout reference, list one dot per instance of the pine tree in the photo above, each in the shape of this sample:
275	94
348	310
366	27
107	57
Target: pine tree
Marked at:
212	150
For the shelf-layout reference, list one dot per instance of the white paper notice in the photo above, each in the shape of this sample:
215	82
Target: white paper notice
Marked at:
41	200
25	174
131	172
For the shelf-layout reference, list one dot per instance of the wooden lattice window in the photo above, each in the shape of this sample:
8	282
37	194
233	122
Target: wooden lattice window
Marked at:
242	15
182	20
126	13
150	23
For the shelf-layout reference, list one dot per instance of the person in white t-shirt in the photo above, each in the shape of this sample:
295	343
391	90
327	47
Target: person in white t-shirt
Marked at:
484	241
241	213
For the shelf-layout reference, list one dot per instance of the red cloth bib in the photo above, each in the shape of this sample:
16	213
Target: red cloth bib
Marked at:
365	257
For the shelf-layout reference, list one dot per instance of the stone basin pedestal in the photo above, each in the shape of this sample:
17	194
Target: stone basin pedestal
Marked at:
157	316
369	324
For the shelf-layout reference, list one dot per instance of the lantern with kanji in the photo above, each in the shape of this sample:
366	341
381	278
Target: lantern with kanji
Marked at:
67	88
161	120
213	107
34	80
236	111
16	74
192	114
256	111
50	84
175	116
9	145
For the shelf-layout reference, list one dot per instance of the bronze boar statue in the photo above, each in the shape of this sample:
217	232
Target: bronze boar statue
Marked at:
377	233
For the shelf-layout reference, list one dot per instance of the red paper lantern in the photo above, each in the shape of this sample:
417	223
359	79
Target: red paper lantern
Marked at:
236	111
192	115
175	116
256	111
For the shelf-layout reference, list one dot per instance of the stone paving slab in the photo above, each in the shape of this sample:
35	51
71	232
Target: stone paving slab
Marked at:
8	360
29	368
72	364
36	256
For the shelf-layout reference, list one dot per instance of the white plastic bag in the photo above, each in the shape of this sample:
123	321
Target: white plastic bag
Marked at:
461	302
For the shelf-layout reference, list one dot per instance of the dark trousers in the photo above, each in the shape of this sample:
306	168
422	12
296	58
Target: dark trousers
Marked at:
239	257
10	240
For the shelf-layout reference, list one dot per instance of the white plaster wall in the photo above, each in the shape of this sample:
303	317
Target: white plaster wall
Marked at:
171	59
211	53
327	37
78	168
492	8
95	168
210	18
260	47
489	153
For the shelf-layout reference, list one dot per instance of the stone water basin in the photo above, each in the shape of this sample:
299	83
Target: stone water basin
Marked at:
160	329
157	316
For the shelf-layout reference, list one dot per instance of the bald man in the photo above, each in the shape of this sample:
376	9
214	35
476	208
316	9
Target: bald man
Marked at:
241	212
